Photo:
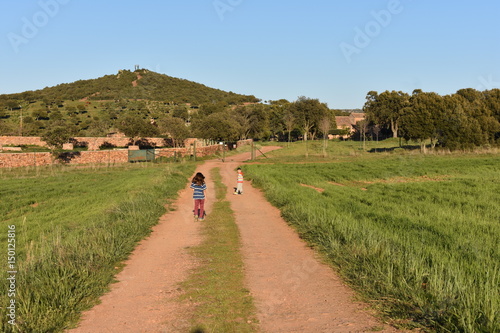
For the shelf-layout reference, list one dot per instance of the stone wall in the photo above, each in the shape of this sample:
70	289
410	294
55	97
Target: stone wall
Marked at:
95	143
242	143
94	155
22	140
14	160
90	142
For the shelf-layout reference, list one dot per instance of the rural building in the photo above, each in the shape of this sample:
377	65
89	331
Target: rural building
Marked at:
349	122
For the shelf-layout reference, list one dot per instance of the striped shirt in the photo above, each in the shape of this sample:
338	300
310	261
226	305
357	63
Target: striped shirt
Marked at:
240	177
199	191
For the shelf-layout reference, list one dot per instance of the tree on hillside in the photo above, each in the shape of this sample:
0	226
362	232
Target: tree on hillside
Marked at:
98	127
135	127
71	110
12	104
175	128
56	136
40	114
181	112
7	128
211	108
58	132
31	127
218	126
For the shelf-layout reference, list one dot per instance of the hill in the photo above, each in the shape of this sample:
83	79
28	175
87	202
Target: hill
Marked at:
104	105
141	84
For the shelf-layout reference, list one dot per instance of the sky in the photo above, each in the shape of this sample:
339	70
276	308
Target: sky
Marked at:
333	50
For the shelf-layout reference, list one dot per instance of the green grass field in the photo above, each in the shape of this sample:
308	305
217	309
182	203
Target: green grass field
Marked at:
73	227
418	235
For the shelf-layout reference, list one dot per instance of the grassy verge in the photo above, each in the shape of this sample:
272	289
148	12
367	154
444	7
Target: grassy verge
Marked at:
216	286
74	226
340	151
417	234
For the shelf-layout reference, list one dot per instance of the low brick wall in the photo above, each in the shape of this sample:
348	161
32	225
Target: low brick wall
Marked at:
242	143
84	157
99	157
22	140
14	160
91	143
95	143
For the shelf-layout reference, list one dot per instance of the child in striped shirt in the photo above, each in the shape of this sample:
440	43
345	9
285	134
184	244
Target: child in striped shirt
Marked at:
239	185
199	187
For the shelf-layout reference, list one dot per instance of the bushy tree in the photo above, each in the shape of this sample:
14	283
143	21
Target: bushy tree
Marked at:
277	111
7	128
308	112
175	128
135	127
217	126
422	118
253	121
386	109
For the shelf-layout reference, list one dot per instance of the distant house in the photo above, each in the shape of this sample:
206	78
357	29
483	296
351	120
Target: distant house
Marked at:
348	123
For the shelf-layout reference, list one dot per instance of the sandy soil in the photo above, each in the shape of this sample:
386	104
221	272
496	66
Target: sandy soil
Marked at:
293	290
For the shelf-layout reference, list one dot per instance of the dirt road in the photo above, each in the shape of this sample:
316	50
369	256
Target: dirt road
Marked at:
293	291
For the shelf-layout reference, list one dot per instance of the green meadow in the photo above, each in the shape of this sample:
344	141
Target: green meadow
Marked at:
73	228
417	235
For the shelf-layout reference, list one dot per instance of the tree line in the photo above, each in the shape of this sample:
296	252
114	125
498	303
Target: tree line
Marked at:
306	118
466	119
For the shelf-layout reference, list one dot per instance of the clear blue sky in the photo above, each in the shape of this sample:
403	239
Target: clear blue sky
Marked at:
334	50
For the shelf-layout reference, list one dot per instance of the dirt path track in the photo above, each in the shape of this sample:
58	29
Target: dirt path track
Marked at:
293	291
143	299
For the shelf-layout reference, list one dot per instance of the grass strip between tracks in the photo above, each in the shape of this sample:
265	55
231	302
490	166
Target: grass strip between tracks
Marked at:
222	303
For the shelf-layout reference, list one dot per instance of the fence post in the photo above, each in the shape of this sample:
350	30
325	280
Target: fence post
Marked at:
194	150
